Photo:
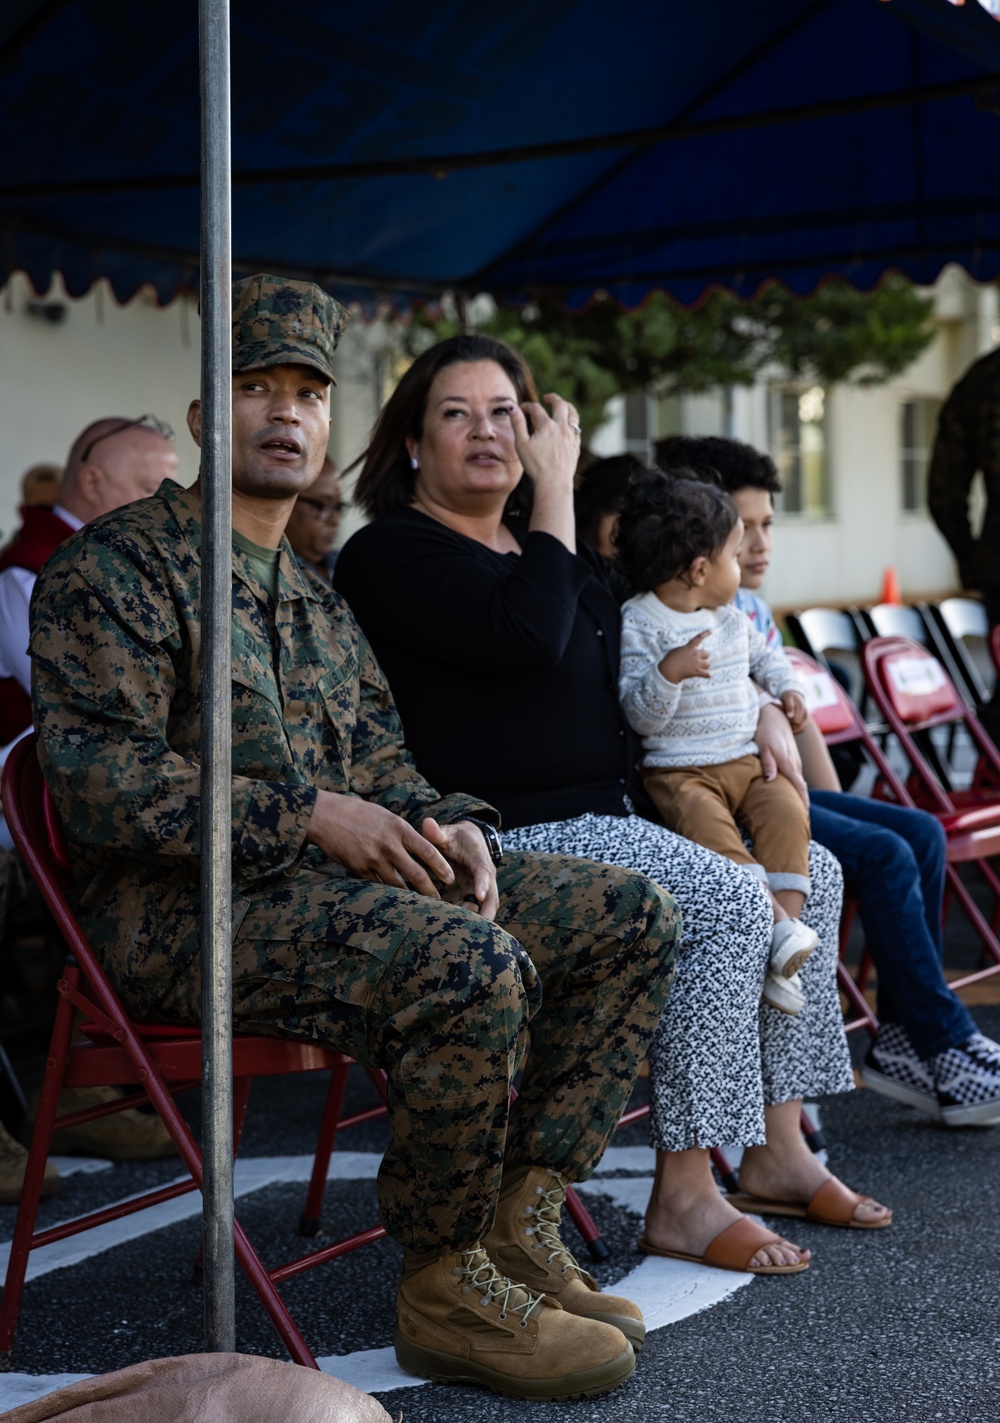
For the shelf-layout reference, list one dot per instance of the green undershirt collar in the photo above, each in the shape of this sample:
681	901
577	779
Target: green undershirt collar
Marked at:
264	561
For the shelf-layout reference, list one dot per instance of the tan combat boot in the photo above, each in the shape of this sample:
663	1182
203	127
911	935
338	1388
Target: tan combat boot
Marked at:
459	1319
131	1135
524	1241
13	1164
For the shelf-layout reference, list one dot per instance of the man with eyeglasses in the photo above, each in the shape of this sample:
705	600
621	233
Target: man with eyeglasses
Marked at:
314	523
112	462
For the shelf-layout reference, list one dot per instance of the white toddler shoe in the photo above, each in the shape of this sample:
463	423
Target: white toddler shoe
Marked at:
792	942
785	994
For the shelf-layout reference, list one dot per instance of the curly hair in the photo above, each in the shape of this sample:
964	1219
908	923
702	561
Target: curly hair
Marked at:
387	479
666	522
736	465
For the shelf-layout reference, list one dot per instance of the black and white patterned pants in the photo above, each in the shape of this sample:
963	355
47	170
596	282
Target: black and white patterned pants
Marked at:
720	1054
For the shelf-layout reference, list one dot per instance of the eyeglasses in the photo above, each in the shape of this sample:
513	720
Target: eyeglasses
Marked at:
144	422
324	508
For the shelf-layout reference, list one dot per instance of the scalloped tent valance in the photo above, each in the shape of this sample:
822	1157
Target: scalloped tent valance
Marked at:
388	149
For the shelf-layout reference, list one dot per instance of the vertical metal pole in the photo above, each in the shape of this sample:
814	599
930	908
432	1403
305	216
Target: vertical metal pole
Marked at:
216	660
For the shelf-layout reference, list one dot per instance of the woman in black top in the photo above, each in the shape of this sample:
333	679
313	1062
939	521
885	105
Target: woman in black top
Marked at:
500	642
483	623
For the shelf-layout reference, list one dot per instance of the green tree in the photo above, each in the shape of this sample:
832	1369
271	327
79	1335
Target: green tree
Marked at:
838	334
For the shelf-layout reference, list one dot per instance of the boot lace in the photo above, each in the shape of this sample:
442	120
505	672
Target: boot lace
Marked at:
548	1216
481	1275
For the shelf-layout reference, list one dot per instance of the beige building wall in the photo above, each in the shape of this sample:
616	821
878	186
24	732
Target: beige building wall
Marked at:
101	358
98	359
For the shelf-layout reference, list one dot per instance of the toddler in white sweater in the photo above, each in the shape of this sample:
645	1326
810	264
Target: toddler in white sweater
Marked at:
688	656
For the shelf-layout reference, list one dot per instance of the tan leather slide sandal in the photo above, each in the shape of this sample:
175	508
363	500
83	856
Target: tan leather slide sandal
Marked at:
732	1249
833	1204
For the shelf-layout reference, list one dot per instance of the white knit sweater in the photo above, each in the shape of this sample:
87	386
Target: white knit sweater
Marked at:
701	721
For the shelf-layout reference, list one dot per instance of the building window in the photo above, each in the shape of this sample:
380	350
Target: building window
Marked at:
798	443
918	419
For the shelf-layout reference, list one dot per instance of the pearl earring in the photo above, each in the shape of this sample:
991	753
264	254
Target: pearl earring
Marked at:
414	462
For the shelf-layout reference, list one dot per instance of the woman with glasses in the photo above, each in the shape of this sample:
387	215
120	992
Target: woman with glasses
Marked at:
315	522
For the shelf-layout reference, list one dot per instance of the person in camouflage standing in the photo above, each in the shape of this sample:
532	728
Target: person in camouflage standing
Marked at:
968	440
365	904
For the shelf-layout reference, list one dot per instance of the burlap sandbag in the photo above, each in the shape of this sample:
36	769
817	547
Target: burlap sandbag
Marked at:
206	1388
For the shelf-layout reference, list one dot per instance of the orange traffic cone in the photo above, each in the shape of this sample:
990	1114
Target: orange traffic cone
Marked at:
890	587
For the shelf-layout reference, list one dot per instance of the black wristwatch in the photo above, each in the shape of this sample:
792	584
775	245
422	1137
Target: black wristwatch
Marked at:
491	837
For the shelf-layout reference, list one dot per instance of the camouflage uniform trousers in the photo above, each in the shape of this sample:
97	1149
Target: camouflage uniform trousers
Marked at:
441	998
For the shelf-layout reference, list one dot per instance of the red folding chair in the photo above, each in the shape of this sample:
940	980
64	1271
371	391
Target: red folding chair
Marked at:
841	724
117	1051
915	695
971	832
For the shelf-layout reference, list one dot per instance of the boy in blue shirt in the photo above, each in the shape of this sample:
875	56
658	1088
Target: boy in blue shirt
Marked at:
928	1052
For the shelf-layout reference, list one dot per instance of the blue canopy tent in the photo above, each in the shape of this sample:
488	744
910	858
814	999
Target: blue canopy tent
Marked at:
386	148
390	149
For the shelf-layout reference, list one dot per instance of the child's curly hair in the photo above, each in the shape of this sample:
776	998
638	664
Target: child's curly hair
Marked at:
666	522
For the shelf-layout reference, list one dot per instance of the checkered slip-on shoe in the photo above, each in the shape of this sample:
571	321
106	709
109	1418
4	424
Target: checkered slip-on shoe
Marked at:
968	1083
893	1068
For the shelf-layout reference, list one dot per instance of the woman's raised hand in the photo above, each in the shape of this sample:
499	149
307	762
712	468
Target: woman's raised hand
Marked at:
549	455
550	450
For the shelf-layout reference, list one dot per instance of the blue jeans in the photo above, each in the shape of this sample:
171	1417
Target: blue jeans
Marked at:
893	862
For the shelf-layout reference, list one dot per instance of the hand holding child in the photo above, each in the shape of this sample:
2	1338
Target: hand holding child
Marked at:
795	710
691	660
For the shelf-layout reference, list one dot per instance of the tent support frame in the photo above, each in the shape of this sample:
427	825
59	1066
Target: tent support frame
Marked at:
216	676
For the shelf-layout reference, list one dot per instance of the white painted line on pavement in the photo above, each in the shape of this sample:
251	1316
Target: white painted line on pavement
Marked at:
370	1370
16	1389
80	1165
252	1174
669	1290
665	1290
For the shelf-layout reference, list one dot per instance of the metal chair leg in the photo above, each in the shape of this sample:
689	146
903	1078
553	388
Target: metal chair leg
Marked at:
311	1211
597	1246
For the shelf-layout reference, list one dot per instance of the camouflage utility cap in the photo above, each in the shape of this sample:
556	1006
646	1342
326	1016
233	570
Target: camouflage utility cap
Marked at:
278	322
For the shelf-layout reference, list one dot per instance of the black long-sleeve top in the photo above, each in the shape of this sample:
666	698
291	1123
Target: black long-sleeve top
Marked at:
504	666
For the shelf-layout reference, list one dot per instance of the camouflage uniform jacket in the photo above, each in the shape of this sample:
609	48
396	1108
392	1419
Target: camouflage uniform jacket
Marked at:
116	643
968	440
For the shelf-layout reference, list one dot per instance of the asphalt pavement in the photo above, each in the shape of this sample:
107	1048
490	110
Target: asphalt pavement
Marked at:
892	1326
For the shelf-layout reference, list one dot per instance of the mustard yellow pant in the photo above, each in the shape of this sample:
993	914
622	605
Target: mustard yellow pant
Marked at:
712	804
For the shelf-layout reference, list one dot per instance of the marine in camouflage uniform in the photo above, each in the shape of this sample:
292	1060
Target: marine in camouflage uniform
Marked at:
968	439
427	988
